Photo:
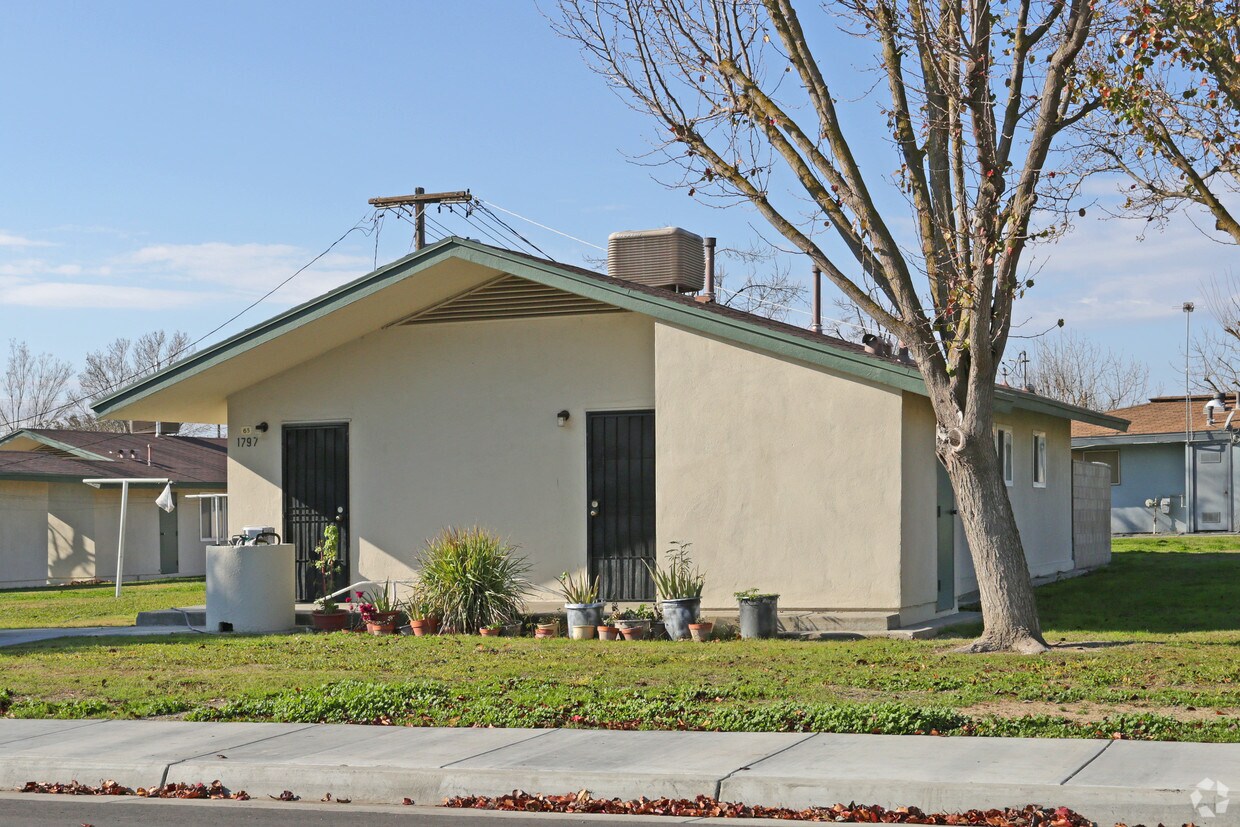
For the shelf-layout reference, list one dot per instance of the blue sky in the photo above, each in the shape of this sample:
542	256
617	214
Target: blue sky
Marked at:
162	165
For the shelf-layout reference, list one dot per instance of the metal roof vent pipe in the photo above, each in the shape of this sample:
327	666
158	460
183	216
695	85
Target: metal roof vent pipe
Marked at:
708	254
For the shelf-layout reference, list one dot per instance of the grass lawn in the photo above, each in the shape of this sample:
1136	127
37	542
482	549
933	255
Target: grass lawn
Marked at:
1147	648
60	606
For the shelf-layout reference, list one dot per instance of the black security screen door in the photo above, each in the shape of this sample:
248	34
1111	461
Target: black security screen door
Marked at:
620	482
316	491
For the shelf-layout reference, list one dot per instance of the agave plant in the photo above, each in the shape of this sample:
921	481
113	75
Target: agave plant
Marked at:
474	578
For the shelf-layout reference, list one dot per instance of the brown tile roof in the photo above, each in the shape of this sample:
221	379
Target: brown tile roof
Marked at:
1161	415
182	459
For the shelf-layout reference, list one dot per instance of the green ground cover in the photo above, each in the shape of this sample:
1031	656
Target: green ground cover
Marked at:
95	605
1147	648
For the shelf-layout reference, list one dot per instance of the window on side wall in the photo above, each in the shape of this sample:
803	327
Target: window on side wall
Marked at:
1039	459
1108	458
1003	446
213	519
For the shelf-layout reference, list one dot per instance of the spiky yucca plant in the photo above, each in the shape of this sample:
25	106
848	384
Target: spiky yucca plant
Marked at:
473	578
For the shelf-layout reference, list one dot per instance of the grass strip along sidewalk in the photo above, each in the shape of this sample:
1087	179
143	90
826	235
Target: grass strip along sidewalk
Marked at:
1148	648
95	604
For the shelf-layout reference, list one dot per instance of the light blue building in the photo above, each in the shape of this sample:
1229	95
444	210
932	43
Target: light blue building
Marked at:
1174	470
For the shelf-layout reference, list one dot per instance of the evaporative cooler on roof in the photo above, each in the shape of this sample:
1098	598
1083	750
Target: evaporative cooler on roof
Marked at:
671	258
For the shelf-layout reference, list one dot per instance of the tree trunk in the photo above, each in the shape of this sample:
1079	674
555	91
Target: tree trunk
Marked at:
1009	612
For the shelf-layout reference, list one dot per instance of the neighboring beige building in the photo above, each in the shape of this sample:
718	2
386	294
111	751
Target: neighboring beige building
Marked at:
593	421
56	529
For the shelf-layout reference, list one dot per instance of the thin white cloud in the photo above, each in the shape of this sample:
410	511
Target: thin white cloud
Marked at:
1102	275
12	240
248	269
64	294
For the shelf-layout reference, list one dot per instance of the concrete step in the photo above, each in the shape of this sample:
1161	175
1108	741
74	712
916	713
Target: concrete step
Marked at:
197	616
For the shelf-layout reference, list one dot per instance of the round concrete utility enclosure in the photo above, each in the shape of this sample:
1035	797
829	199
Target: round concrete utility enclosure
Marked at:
250	588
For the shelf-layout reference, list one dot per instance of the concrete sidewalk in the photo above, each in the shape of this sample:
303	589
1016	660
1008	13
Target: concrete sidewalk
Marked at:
1108	781
17	637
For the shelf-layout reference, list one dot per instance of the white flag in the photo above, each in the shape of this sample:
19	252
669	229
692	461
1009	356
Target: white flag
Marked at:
164	500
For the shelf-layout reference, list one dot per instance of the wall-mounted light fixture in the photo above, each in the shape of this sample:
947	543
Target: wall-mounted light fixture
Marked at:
261	427
561	418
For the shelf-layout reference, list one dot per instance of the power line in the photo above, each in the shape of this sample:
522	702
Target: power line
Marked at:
125	380
493	205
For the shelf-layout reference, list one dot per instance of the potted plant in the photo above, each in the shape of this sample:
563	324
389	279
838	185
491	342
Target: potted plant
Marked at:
679	586
550	628
634	624
423	616
581	601
608	631
380	610
494	630
329	617
473	579
700	631
759	613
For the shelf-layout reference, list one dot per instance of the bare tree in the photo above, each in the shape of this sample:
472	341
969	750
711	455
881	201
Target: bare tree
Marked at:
767	288
121	362
1169	85
1074	369
976	93
35	387
1216	356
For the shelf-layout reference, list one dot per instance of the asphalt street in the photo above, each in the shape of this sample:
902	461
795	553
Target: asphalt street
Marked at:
30	810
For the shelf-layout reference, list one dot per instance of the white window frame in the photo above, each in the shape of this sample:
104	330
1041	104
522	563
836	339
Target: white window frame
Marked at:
1003	447
216	523
1040	460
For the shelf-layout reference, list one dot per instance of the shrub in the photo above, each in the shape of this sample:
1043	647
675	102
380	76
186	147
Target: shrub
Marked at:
473	579
681	579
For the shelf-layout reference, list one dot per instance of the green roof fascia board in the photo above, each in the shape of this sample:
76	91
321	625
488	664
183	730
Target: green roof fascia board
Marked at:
80	453
276	326
822	354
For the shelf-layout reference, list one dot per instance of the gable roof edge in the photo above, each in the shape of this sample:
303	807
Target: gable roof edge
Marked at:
822	354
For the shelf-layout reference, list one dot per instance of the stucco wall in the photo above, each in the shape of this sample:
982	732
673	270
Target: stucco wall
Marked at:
63	531
784	477
23	533
71	532
452	424
1043	515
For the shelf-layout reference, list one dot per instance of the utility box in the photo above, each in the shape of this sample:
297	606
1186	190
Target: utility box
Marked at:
670	258
251	588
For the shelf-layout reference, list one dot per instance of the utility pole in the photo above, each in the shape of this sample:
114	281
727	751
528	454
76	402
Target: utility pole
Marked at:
418	201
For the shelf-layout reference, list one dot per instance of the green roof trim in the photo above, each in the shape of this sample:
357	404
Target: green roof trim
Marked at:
673	311
80	453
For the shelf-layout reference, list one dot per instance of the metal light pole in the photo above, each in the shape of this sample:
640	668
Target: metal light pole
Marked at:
1189	487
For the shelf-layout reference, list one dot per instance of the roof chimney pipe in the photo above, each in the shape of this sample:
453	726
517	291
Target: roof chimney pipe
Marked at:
708	250
816	325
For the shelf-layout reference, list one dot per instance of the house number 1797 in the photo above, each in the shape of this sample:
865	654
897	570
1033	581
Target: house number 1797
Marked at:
247	442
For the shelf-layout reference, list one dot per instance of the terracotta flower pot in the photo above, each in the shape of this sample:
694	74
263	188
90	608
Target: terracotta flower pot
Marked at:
701	631
633	632
424	626
329	621
382	623
486	632
608	633
547	630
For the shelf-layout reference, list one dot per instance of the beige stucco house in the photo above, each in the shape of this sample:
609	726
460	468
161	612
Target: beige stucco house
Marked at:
593	420
56	529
